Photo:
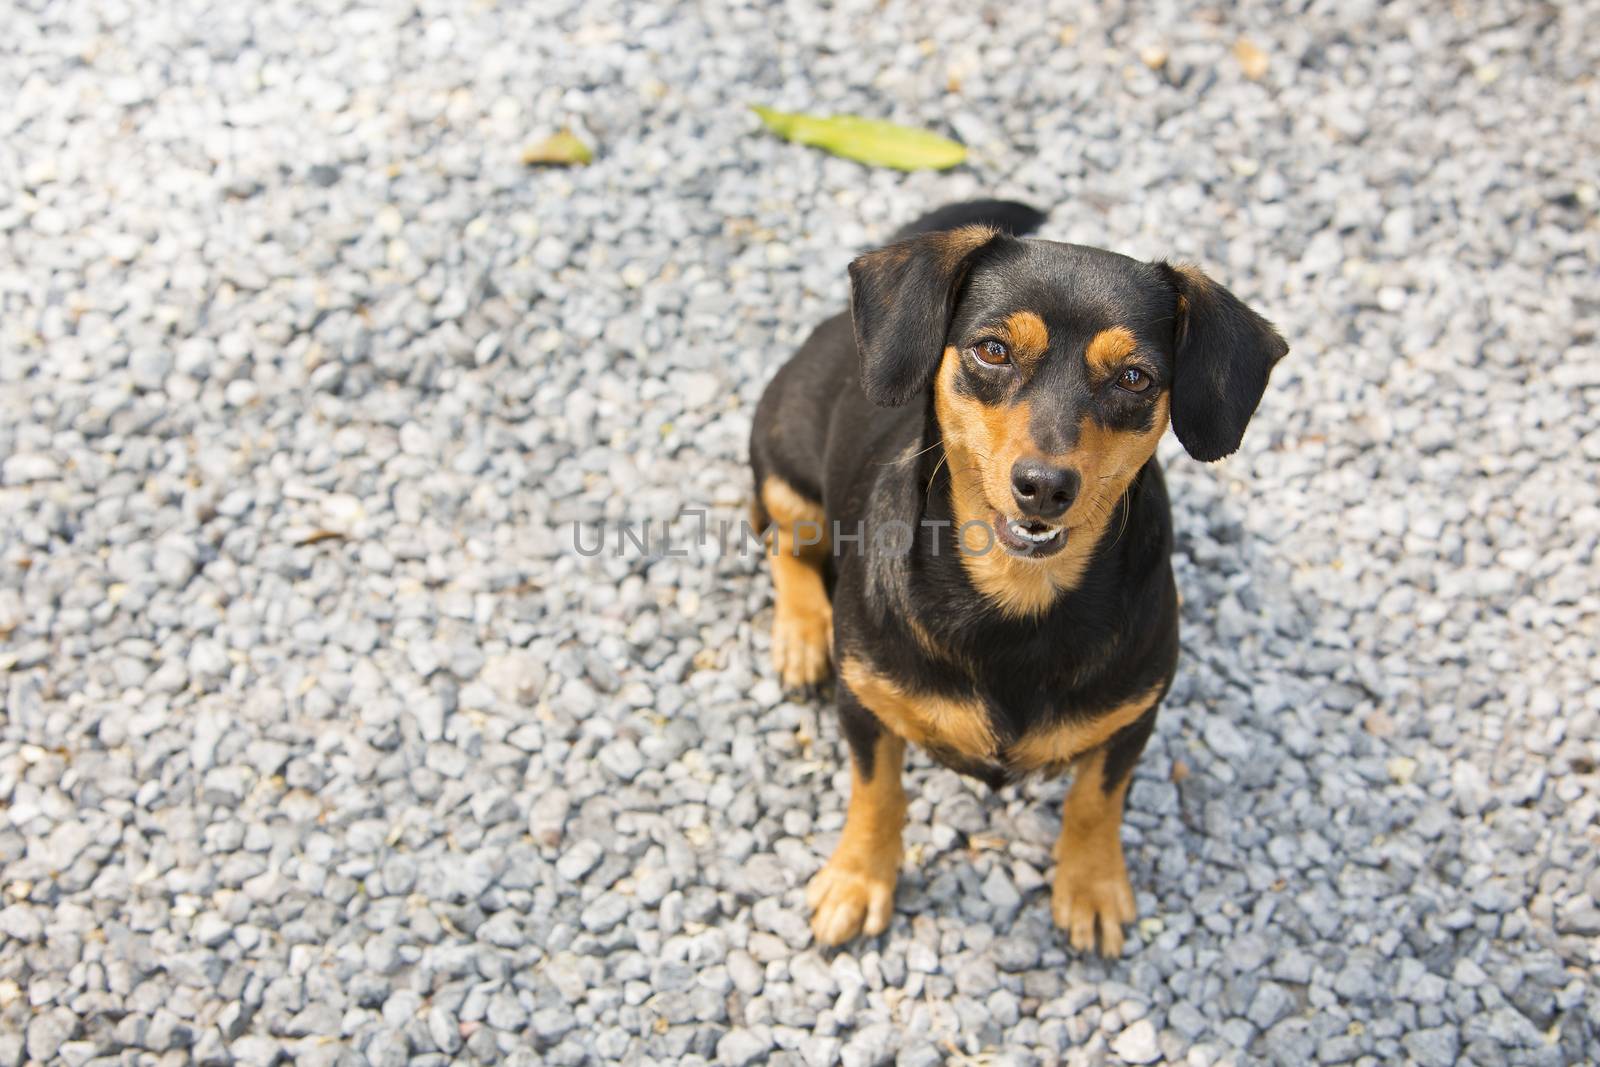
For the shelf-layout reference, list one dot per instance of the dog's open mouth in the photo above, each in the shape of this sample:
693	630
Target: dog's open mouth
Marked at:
1028	538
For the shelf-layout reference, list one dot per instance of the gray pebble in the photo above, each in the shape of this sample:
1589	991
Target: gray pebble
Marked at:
48	1031
1437	1047
318	735
444	1030
740	1047
551	1023
1137	1044
579	859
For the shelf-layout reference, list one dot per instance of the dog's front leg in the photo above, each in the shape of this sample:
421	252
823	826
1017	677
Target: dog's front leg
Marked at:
1091	875
854	891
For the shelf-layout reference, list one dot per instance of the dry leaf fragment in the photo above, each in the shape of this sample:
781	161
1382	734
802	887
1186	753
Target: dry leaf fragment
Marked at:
1252	60
558	150
1402	769
871	141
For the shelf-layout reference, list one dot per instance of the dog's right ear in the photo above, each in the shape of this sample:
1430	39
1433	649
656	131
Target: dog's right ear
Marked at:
901	301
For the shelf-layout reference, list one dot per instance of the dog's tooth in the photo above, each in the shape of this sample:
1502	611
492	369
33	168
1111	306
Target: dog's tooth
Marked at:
1020	530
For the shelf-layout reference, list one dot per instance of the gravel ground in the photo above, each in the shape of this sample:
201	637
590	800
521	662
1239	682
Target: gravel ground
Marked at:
321	742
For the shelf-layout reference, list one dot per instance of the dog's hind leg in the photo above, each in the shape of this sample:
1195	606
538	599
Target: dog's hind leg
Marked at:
798	545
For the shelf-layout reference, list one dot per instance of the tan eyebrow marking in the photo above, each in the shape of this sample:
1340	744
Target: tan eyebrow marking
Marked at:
1108	348
1029	336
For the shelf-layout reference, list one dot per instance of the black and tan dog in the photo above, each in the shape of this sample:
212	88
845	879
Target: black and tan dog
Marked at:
967	516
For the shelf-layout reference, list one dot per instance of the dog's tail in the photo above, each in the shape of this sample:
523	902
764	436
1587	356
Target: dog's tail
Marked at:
1008	216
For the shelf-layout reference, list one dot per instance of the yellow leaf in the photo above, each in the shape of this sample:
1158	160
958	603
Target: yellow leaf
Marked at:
562	150
881	144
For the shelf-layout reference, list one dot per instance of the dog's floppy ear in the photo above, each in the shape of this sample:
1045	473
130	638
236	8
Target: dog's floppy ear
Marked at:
901	301
1222	353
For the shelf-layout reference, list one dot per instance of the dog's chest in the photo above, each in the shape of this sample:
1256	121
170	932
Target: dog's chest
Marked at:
971	733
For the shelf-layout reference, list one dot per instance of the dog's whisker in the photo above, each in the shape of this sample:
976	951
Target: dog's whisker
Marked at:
914	455
942	457
1123	525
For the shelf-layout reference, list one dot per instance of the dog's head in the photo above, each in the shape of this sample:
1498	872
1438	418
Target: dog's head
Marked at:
1055	368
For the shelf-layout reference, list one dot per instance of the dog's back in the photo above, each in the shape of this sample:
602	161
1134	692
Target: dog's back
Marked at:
1007	216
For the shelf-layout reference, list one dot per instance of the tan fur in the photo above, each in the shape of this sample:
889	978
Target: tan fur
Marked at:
1107	460
1091	875
981	444
925	719
1197	283
1108	348
1028	337
1059	745
802	621
854	892
785	504
1193	275
953	245
929	644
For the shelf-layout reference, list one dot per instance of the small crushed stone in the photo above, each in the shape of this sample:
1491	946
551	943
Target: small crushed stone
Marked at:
321	743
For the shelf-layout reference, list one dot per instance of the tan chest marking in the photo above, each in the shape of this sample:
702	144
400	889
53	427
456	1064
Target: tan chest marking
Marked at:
962	725
1062	743
924	719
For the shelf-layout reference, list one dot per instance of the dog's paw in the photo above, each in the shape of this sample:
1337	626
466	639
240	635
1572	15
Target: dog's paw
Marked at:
847	900
800	641
1088	891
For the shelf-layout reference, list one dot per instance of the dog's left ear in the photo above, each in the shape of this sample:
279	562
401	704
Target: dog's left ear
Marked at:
901	301
1223	353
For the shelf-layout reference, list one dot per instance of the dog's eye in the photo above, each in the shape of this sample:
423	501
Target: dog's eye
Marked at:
1133	380
991	352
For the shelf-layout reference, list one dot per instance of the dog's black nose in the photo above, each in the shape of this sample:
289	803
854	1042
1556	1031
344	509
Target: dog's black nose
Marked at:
1042	490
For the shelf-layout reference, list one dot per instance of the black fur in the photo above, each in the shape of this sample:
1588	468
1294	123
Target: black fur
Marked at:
861	731
902	296
1224	354
1007	216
